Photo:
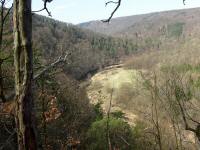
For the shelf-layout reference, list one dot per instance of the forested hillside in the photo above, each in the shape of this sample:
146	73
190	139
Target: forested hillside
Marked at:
155	30
58	38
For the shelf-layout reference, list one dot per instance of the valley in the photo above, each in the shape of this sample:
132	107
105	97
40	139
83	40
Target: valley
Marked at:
132	84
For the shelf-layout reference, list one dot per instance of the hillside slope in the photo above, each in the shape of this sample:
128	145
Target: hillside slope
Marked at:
154	31
88	51
148	23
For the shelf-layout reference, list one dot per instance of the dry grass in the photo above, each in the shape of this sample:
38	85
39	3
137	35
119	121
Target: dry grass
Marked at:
117	79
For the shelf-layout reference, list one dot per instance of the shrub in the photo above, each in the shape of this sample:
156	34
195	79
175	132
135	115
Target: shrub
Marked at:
98	111
121	135
118	114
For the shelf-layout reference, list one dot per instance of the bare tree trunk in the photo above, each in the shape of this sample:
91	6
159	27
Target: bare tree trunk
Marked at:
108	121
155	117
22	20
2	96
1	61
2	22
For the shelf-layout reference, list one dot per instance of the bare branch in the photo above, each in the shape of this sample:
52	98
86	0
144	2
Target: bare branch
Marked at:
44	8
7	141
8	12
52	65
124	140
187	127
118	3
61	59
189	116
113	2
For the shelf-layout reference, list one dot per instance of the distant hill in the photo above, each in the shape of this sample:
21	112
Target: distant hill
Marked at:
147	23
154	31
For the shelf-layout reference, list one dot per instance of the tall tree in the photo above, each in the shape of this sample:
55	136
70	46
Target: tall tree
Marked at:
23	63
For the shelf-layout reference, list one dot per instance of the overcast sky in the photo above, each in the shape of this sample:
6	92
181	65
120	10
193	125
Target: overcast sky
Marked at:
78	11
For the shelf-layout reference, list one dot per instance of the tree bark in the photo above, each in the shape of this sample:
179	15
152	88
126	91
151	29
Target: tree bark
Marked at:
1	38
2	96
23	56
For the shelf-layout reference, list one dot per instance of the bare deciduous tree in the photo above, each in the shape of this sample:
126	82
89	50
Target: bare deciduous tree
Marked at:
108	121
